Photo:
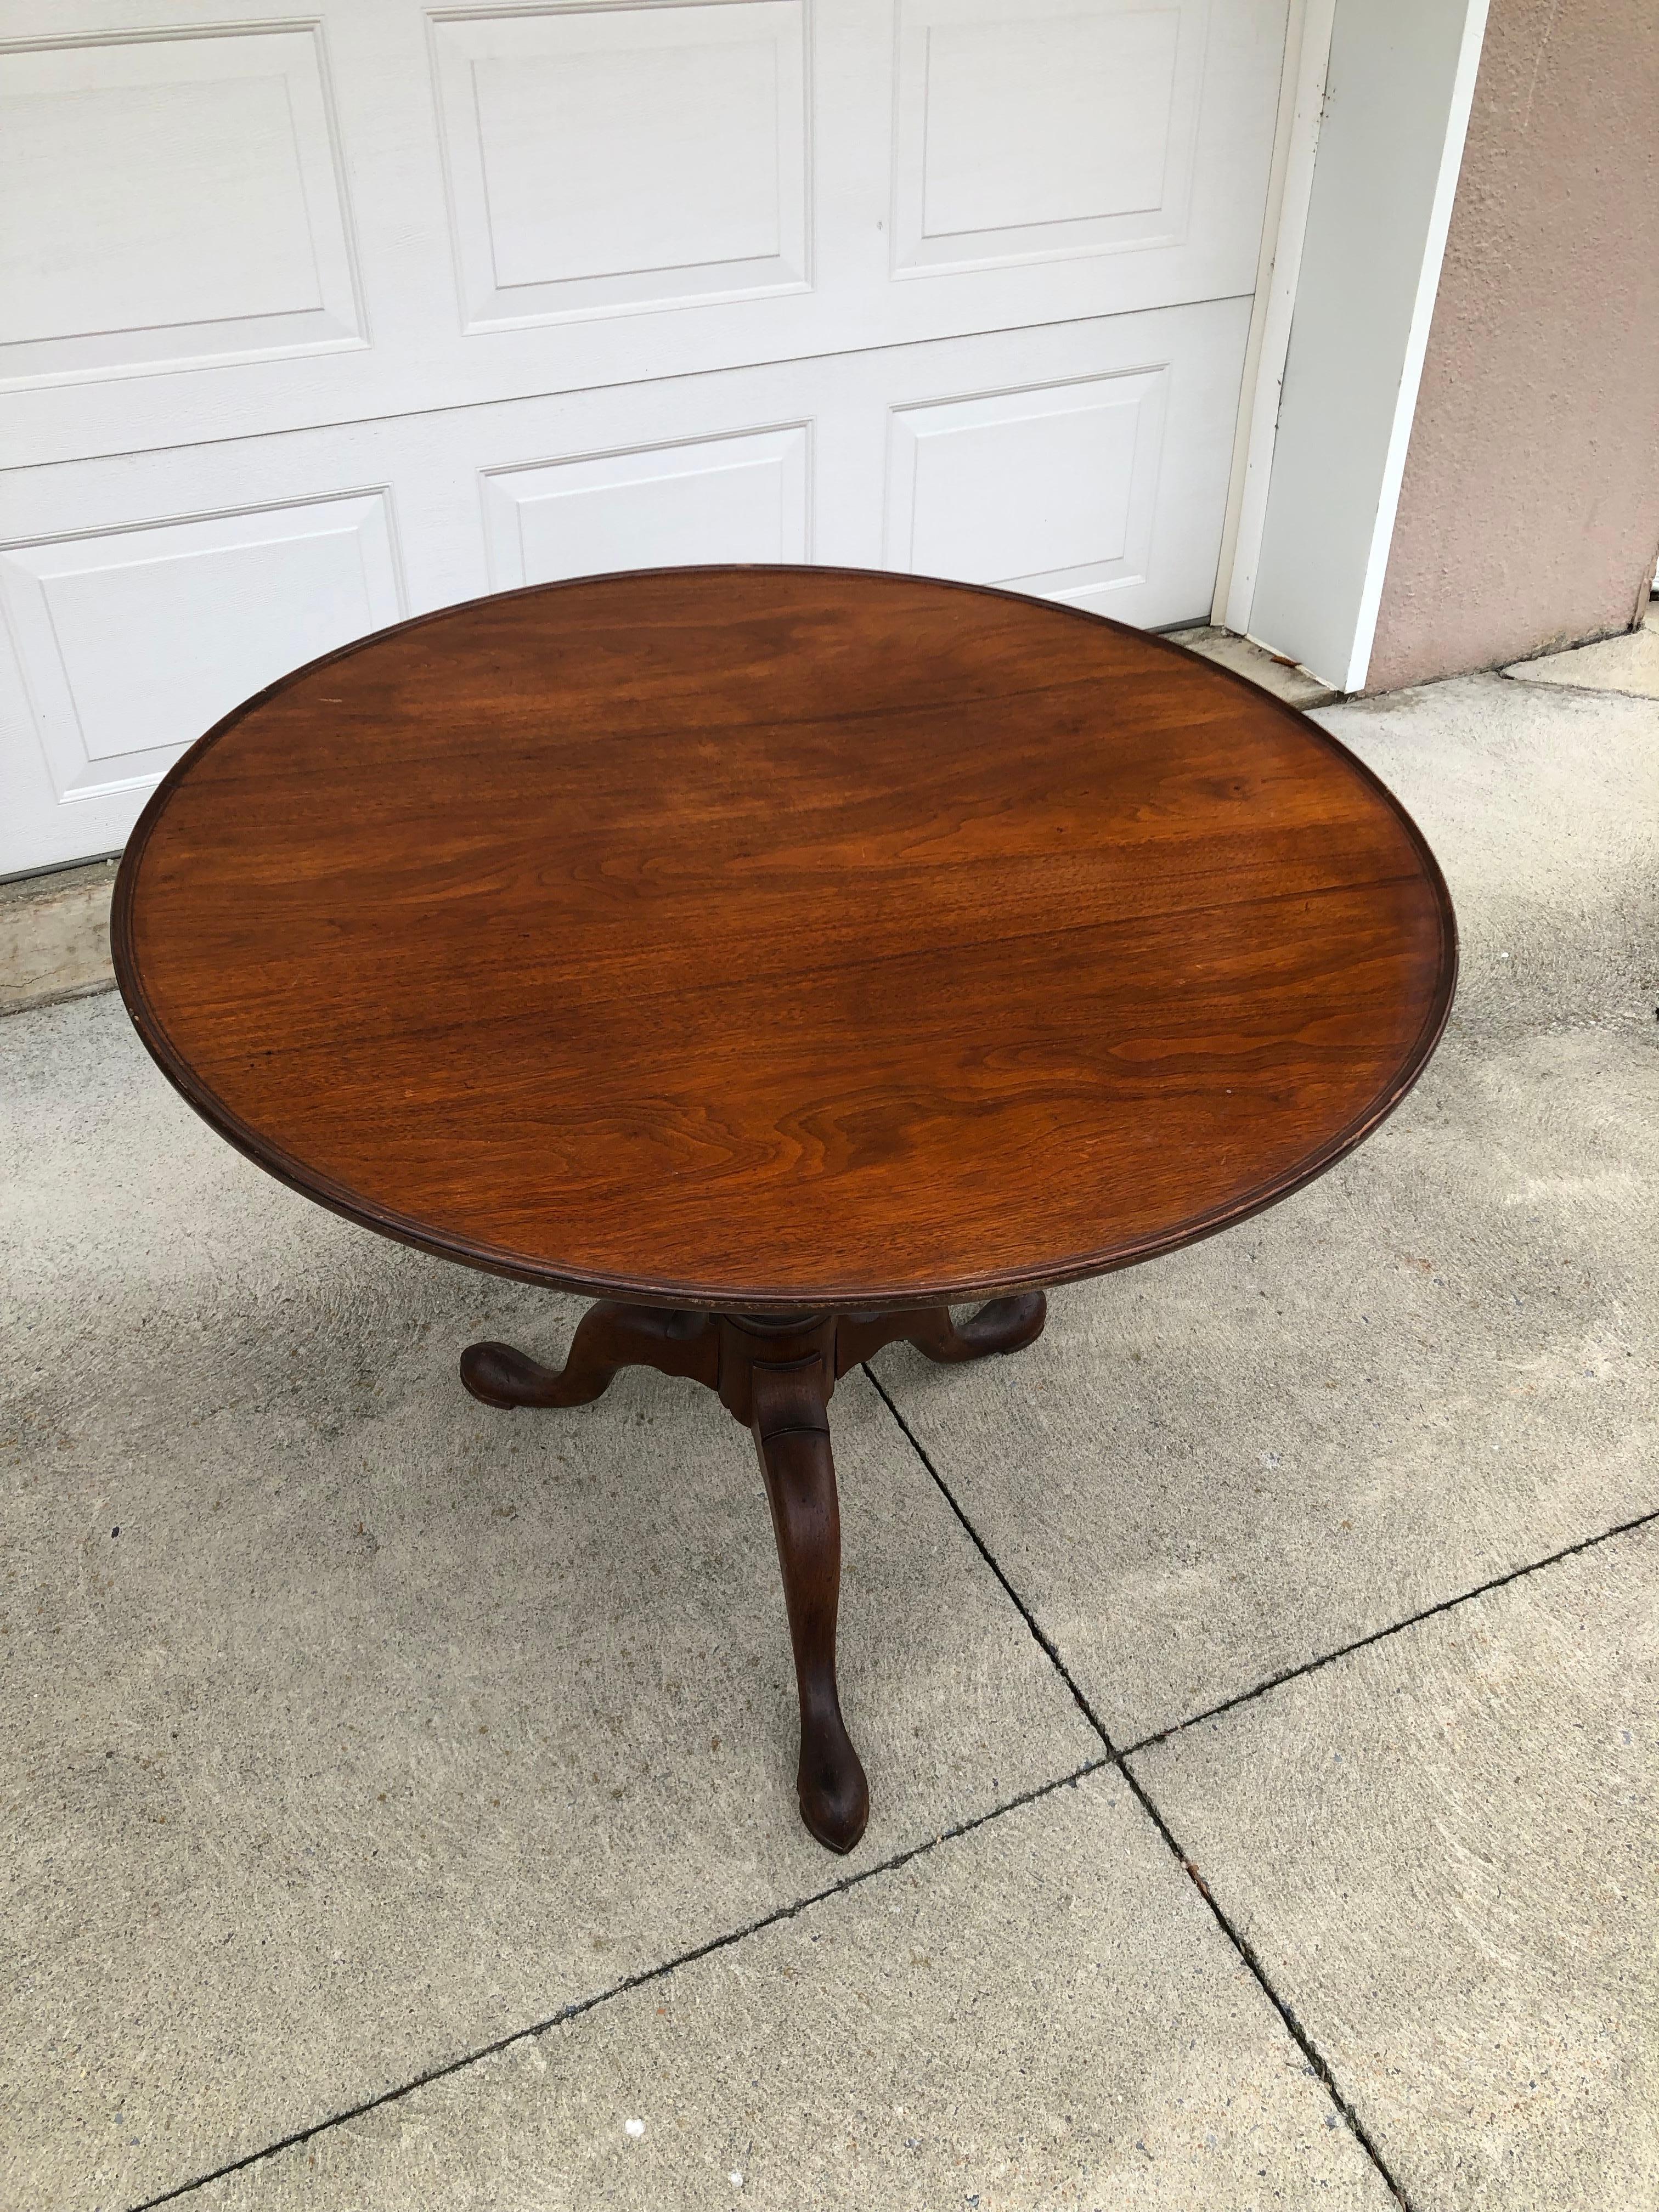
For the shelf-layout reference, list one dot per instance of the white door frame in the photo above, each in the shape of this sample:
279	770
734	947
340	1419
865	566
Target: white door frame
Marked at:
1290	186
1373	118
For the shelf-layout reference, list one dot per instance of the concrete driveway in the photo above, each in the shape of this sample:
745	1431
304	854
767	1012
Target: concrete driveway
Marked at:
1256	1678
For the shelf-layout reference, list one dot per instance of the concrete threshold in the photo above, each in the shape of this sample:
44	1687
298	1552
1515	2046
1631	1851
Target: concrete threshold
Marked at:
54	936
1274	672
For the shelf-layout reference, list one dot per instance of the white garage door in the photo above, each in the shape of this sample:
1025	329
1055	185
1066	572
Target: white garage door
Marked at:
307	326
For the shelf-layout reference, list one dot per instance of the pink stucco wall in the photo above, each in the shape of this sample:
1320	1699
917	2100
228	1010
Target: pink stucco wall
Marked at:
1529	513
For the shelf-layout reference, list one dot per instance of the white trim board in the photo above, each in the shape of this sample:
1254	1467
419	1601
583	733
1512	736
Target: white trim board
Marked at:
1296	139
1396	106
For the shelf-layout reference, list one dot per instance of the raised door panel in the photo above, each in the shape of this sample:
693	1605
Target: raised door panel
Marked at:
1092	469
740	497
169	201
128	643
604	160
1027	129
1051	491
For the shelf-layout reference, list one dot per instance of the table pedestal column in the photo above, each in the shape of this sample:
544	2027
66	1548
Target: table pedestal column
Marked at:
775	1375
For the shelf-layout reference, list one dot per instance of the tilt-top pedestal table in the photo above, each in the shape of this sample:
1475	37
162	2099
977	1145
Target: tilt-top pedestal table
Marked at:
781	958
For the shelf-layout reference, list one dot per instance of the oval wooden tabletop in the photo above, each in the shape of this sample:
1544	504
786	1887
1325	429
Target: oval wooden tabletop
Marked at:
771	939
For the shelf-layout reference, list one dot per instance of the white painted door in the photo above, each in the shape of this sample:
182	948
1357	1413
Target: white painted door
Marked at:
309	325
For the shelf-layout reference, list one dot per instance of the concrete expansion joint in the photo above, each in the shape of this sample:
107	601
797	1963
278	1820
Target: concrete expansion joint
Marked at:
1248	1952
1395	1628
1118	1760
792	1911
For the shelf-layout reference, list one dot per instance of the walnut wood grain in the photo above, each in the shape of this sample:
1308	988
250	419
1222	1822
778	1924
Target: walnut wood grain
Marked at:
772	939
784	955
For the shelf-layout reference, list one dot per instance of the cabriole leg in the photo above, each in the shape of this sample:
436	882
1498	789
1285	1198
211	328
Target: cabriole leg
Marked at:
790	1425
608	1336
1004	1325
